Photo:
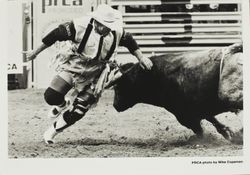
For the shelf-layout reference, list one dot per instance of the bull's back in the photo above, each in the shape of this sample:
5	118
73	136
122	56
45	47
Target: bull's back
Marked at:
184	81
188	80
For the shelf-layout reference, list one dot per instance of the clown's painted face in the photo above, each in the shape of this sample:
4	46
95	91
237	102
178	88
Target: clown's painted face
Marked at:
101	29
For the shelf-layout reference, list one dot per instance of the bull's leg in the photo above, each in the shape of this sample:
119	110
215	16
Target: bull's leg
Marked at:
196	128
222	129
193	124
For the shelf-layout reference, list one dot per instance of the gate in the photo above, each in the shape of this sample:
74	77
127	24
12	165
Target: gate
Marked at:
177	25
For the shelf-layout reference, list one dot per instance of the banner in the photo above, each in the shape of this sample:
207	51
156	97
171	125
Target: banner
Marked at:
14	40
48	14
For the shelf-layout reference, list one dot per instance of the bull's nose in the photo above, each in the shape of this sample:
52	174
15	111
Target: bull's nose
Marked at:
120	107
117	107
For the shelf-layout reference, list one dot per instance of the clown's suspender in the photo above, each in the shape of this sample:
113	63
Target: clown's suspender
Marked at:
85	36
112	48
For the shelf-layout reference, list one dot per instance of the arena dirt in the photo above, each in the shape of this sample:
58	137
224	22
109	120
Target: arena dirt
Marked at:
142	131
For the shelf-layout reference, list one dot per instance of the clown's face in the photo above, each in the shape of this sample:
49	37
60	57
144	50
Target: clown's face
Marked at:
101	29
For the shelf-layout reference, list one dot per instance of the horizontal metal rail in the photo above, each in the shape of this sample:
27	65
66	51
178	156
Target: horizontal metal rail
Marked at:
160	2
181	28
137	17
187	39
161	50
162	32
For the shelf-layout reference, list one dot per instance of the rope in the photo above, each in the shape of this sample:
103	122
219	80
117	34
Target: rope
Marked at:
224	51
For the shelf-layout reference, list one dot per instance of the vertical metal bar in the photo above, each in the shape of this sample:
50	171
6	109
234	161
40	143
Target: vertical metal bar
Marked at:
32	45
23	78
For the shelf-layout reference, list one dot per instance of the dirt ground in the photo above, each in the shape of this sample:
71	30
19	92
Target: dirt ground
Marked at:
142	131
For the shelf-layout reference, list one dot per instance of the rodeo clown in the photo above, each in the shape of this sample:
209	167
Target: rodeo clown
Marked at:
86	65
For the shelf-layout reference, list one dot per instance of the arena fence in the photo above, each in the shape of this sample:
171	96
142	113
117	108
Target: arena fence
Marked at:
176	25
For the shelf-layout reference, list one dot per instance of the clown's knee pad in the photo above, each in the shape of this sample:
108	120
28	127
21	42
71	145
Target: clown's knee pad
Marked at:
52	97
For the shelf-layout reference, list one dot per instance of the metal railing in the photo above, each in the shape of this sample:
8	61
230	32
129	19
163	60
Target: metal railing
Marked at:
164	30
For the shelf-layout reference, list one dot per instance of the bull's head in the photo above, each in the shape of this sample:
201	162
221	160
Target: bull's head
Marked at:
125	88
135	86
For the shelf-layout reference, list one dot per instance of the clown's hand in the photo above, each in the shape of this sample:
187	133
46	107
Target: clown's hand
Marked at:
146	63
30	55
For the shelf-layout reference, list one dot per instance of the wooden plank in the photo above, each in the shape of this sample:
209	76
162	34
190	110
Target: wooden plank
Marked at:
194	36
202	25
181	28
187	39
183	13
158	50
181	41
180	18
136	17
160	2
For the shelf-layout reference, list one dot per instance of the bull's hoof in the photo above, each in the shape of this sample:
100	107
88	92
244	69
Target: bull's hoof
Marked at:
238	138
200	135
196	137
227	133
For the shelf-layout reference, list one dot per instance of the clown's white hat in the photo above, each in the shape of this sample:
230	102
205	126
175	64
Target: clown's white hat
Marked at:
107	16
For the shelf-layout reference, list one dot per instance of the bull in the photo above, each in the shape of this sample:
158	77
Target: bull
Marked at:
192	85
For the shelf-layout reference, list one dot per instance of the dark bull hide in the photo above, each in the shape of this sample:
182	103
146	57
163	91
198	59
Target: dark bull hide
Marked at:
192	85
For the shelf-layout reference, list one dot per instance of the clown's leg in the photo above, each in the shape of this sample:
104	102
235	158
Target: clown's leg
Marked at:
80	106
55	94
56	110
